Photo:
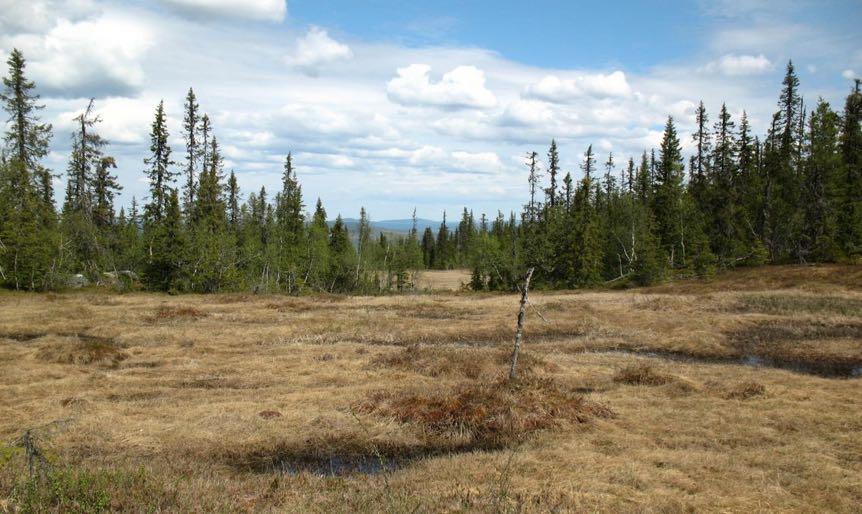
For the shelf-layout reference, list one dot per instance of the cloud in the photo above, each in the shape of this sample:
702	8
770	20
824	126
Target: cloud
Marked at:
92	57
316	49
734	65
481	162
261	10
38	16
462	87
554	89
848	74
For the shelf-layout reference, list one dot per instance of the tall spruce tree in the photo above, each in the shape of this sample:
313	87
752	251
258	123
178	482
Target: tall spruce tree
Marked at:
667	196
159	166
26	138
191	128
553	169
850	199
699	169
822	186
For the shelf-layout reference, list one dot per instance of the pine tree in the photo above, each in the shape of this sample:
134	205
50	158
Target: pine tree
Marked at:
159	165
667	196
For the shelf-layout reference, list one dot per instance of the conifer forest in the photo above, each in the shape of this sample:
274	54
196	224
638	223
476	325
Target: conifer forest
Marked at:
791	195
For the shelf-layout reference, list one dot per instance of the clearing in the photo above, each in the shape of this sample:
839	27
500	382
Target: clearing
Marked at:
737	394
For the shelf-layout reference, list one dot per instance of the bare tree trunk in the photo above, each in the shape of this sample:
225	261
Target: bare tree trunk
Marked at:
513	373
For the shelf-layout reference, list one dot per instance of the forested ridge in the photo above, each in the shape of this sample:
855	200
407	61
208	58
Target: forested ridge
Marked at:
792	195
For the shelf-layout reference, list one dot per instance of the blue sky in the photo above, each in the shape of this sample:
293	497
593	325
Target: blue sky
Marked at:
392	105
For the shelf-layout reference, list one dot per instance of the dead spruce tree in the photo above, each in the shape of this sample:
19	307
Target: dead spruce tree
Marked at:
522	312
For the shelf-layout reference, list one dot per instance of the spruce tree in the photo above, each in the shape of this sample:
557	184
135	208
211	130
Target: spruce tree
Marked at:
26	137
850	199
722	204
167	248
317	250
233	201
159	166
699	169
667	196
342	258
567	191
105	187
553	169
191	128
822	186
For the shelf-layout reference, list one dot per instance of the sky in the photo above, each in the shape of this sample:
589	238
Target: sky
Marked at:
393	105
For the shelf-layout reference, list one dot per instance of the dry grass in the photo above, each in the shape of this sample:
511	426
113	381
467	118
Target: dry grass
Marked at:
746	390
75	350
241	402
442	280
472	363
641	374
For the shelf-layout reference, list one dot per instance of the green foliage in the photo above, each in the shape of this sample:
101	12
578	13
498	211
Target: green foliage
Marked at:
794	196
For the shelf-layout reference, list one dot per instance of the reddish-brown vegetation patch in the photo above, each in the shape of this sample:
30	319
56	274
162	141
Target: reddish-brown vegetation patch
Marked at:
486	415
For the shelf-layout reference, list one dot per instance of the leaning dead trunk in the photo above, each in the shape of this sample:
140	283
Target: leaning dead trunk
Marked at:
522	312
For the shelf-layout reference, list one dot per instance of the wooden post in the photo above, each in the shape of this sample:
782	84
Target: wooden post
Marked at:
522	312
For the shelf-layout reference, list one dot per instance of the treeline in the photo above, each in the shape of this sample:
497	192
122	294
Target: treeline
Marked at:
792	197
194	233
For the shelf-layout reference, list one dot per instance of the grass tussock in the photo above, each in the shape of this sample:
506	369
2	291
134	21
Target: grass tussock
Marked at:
642	374
172	313
745	390
486	415
472	363
72	350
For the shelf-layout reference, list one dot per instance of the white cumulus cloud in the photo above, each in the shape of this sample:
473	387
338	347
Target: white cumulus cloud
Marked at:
464	86
264	10
554	89
731	64
93	57
848	74
316	49
477	162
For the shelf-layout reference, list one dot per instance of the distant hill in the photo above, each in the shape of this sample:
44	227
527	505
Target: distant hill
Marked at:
401	226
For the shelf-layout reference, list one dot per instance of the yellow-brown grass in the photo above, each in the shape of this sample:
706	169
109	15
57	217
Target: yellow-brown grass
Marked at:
205	410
